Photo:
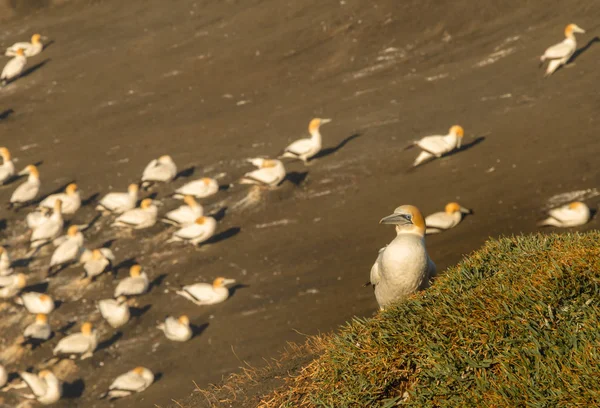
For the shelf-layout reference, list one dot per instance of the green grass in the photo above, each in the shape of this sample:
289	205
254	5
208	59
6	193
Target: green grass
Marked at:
516	323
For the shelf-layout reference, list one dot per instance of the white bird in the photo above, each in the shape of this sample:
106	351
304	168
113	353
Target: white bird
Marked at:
71	200
29	49
36	303
7	169
46	388
5	263
36	218
201	188
569	215
304	149
403	267
69	249
207	294
118	203
50	229
200	231
11	285
39	330
444	220
176	329
136	284
437	146
269	173
83	343
3	376
14	67
559	54
136	380
138	218
115	311
185	214
28	190
162	169
100	261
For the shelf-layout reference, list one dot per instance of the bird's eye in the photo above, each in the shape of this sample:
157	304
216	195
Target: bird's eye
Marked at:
408	217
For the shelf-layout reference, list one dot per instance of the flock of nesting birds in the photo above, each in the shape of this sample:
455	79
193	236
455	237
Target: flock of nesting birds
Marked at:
401	268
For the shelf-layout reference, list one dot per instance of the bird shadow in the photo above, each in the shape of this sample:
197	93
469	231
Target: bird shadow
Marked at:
127	263
219	215
73	389
157	377
40	287
48	44
108	244
464	147
34	68
296	177
237	287
185	173
3	224
6	113
110	341
593	212
139	311
91	223
68	326
21	262
222	236
197	330
583	49
157	281
224	187
330	150
90	199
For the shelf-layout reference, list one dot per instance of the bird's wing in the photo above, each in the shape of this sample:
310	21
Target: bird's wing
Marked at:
560	50
48	202
37	385
7	280
261	176
74	343
128	382
132	285
561	214
24	192
300	147
439	220
194	188
375	271
181	215
65	252
189	232
433	144
47	230
200	291
108	254
171	324
12	50
132	217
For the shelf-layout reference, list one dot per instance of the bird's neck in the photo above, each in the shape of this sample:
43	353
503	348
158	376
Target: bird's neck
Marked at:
33	178
410	231
315	135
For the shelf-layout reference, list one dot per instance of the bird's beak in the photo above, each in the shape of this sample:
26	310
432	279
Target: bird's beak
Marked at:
228	281
396	219
579	30
24	172
465	210
324	121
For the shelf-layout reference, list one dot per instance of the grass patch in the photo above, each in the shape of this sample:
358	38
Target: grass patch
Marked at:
514	324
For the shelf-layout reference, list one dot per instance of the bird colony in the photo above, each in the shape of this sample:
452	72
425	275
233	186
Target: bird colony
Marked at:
401	268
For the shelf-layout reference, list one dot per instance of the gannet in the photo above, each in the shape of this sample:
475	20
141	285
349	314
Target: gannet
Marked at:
185	214
39	330
136	380
437	146
3	376
138	218
570	215
202	188
402	267
559	54
270	173
46	388
7	169
115	311
136	284
69	250
50	229
83	343
28	190
14	67
162	169
119	202
207	294
449	218
11	285
36	218
201	230
176	329
5	263
304	149
71	200
100	261
36	303
29	49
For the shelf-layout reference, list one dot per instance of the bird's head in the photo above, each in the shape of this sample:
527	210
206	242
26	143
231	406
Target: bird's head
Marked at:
135	271
407	219
316	123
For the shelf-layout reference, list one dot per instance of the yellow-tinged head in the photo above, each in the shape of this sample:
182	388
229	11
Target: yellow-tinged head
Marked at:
35	39
133	188
206	180
576	205
221	282
4	153
41	318
71	189
316	123
407	218
135	271
96	254
21	281
73	230
267	164
457	130
190	200
573	28
139	370
451	208
31	170
165	158
200	220
183	319
58	205
45	298
146	203
86	328
20	52
45	373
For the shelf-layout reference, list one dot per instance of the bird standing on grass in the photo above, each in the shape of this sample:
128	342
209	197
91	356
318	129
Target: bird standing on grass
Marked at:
304	149
559	54
403	267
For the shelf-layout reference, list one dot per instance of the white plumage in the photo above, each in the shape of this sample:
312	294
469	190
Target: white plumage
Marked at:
176	329
185	214
444	220
569	215
436	146
50	229
304	149
162	169
201	188
5	263
559	54
11	285
269	173
200	231
29	48
46	388
119	202
136	284
98	262
29	189
70	248
7	169
37	303
71	200
14	67
207	294
136	380
38	330
115	311
83	343
138	218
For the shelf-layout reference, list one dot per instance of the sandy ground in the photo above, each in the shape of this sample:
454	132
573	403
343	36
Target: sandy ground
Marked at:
215	82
